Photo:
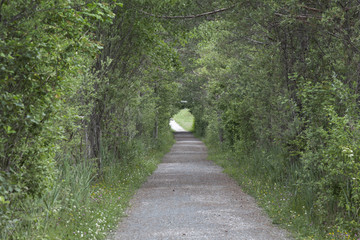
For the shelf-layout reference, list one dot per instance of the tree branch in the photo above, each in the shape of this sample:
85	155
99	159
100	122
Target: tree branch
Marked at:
302	17
1	4
25	13
348	41
350	8
190	16
312	9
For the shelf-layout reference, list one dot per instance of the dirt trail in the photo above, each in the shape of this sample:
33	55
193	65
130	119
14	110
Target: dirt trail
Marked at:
188	197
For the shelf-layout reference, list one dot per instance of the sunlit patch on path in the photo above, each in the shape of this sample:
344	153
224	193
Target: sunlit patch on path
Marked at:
188	197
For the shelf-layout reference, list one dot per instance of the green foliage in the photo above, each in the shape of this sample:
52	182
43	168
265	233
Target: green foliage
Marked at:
329	159
80	82
79	205
39	54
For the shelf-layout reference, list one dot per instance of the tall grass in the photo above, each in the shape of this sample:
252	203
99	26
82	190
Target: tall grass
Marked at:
82	205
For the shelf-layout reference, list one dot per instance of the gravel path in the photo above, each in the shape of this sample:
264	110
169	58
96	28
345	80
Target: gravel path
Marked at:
188	197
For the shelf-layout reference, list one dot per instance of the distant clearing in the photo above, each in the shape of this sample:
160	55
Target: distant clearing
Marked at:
185	119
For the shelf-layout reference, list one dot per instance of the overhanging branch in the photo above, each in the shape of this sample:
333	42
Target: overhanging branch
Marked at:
190	16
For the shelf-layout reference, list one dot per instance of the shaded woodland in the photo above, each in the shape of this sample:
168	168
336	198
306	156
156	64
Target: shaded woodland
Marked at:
87	87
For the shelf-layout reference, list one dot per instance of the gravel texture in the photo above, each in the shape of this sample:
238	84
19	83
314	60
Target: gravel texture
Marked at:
189	197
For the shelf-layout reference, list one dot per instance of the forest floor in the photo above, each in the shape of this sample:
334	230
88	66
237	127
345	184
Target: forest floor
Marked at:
189	197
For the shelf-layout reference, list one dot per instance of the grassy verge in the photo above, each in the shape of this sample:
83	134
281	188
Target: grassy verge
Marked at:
255	173
81	207
185	119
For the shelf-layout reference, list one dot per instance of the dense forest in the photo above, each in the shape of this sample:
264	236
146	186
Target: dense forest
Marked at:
87	88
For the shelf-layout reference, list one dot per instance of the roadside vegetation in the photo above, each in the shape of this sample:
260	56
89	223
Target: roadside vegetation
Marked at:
81	205
277	195
185	119
85	100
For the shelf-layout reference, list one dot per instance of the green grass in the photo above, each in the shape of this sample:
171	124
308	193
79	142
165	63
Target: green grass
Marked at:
278	197
82	207
185	119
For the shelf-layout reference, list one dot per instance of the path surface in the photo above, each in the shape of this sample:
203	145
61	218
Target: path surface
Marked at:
188	197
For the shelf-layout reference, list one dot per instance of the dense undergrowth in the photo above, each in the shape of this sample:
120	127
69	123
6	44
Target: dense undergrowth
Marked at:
82	205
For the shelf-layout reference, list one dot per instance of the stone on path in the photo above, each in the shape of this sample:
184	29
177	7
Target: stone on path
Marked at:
189	197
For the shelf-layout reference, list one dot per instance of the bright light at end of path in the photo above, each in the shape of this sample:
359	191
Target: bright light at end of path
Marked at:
175	126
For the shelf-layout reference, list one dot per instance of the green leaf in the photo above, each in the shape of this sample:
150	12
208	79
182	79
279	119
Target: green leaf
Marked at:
2	200
9	130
